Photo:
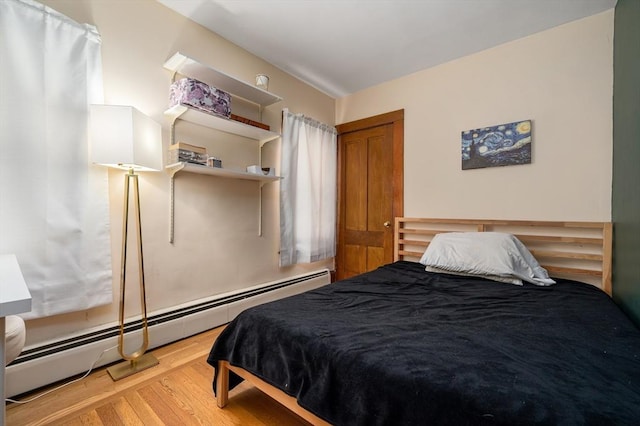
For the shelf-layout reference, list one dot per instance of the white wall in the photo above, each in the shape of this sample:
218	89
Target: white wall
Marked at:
562	79
217	248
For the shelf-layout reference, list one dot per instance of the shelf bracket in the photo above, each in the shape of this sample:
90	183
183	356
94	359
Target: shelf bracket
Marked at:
172	176
172	131
260	210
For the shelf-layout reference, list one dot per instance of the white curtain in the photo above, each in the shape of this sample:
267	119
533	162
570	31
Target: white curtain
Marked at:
308	190
53	203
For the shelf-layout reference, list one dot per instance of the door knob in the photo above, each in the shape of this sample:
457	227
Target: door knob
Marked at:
387	224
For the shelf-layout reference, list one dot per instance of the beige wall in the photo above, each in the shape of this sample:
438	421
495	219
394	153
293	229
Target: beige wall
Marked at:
562	79
217	248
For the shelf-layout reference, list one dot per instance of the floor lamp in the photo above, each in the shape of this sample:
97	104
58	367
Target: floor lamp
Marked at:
124	138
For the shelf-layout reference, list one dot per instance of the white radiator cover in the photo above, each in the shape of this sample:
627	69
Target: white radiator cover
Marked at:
55	361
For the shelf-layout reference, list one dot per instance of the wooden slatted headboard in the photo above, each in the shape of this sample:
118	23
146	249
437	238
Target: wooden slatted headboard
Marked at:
580	251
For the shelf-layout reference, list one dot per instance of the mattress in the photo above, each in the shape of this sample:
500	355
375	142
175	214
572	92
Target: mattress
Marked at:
400	345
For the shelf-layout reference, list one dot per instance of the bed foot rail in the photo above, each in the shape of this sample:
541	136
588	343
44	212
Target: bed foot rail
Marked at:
222	392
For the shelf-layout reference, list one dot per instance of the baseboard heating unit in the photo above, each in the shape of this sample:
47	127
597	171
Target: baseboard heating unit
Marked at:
44	364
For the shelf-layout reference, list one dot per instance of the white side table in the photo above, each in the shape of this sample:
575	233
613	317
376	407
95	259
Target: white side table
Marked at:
14	299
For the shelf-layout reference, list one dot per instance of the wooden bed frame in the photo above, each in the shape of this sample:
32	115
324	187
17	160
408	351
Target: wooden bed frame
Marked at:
575	250
580	251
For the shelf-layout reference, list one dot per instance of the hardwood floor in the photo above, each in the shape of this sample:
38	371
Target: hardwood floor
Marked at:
176	392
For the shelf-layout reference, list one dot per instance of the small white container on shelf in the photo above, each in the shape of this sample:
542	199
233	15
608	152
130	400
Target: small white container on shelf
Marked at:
265	171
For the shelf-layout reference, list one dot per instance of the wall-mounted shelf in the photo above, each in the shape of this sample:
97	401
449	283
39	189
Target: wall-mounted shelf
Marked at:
189	67
223	124
172	169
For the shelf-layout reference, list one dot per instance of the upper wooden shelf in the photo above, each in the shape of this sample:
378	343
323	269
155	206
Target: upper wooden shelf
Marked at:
192	68
217	122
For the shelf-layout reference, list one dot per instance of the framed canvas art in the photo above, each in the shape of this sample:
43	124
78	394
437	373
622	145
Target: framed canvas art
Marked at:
501	145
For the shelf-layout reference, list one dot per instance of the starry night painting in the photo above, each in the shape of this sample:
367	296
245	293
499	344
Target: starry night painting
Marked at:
502	145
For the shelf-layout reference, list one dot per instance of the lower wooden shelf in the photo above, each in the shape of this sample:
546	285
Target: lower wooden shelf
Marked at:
172	169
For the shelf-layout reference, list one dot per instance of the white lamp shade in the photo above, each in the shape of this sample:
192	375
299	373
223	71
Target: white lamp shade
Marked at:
125	138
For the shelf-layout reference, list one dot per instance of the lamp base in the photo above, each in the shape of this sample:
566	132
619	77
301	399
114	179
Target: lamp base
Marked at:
129	368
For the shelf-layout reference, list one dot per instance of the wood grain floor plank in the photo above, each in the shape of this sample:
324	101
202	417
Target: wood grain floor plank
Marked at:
159	406
204	369
255	403
176	392
126	412
261	406
195	376
109	416
91	418
72	422
201	403
142	410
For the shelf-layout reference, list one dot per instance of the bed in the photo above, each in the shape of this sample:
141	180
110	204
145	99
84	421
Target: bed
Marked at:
402	345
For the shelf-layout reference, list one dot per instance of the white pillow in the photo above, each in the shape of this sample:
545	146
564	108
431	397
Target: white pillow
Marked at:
508	280
493	255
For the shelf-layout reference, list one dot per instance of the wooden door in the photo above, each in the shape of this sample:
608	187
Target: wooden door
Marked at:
370	188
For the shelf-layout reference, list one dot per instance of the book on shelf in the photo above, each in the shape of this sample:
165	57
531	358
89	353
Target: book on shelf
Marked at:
249	121
188	147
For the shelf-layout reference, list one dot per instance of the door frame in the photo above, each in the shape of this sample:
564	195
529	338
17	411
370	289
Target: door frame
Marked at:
396	119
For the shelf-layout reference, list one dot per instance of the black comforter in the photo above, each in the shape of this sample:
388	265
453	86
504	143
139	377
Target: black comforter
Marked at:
401	346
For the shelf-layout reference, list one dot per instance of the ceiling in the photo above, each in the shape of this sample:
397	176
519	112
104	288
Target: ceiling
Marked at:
343	46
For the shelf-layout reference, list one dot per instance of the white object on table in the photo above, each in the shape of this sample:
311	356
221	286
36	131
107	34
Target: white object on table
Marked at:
14	299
